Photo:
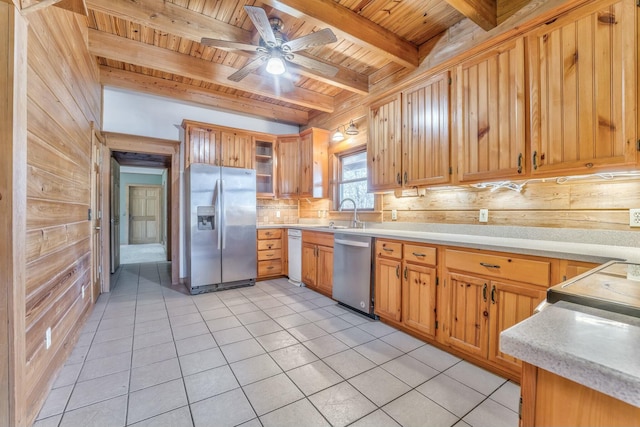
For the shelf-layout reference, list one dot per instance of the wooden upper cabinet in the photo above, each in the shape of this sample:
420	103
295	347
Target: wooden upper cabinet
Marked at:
288	161
314	163
583	90
265	148
490	122
236	149
425	140
201	144
384	149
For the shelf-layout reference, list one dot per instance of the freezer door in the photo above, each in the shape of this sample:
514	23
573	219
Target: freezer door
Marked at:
203	248
239	256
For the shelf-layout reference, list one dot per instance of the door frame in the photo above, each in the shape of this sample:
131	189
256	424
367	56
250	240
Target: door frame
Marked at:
147	145
160	216
97	197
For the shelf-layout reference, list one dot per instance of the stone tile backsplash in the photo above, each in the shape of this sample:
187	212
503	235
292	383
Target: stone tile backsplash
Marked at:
268	210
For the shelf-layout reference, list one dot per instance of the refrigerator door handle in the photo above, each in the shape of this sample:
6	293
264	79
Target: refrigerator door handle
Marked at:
218	200
223	220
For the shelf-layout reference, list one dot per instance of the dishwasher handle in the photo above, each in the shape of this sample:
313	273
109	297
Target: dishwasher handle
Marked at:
351	243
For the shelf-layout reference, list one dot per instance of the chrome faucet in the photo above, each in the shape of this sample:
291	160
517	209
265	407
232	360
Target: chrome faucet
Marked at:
355	221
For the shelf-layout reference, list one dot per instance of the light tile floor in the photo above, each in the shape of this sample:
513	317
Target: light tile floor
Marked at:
273	355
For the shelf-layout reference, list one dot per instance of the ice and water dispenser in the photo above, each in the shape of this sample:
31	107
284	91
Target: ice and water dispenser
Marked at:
206	217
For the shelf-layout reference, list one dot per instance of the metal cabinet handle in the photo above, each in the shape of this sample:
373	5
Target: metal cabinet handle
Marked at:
405	177
387	249
535	160
493	294
398	179
520	163
486	264
398	271
405	272
270	267
270	255
268	233
419	254
484	292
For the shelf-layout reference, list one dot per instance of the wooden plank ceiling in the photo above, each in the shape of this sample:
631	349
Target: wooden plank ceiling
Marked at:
153	46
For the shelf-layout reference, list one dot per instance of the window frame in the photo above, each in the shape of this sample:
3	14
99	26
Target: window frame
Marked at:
336	154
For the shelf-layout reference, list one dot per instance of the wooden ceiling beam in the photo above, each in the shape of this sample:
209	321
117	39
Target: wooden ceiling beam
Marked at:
171	18
188	93
130	51
352	27
483	12
180	21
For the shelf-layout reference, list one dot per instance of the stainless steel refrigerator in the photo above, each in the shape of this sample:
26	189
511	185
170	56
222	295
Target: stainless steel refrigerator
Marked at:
221	227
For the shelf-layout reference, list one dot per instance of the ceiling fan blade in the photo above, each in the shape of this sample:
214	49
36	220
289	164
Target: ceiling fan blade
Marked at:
224	44
318	38
313	64
247	69
259	18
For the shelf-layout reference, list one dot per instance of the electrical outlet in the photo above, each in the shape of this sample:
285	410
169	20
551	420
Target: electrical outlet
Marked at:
634	217
277	214
394	215
484	215
47	338
83	292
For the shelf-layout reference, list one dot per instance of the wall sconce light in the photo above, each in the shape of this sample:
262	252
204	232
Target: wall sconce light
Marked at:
350	130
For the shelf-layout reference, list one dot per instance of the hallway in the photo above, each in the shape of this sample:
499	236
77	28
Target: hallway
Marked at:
152	355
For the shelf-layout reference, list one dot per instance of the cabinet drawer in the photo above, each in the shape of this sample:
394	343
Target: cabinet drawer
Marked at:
269	244
420	254
317	238
388	249
272	254
504	267
269	268
274	233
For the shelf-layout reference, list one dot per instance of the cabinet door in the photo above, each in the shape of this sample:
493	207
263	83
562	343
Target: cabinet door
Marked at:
490	114
425	140
309	264
583	88
325	269
203	145
419	298
265	167
510	304
388	290
314	163
468	314
384	149
288	166
236	150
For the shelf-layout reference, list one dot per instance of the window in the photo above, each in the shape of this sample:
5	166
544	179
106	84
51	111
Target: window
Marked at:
352	181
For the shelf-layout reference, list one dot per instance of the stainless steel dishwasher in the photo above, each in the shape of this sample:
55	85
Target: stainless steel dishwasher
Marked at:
353	272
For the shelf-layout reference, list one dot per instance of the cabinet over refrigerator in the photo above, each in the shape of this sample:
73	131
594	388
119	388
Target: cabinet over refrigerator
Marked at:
220	227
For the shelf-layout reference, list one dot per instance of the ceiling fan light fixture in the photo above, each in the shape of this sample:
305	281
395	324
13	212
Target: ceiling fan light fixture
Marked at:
275	66
352	129
337	136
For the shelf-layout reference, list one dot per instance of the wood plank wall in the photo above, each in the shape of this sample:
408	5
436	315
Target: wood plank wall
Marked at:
593	204
63	98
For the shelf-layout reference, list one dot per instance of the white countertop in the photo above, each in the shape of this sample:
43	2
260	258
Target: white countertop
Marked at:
579	251
592	347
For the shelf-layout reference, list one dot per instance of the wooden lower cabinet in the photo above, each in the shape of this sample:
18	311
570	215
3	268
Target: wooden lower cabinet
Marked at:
551	400
317	261
510	304
468	325
405	289
419	298
388	289
480	306
271	252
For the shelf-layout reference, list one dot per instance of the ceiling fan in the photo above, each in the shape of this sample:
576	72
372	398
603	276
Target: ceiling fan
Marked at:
274	47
